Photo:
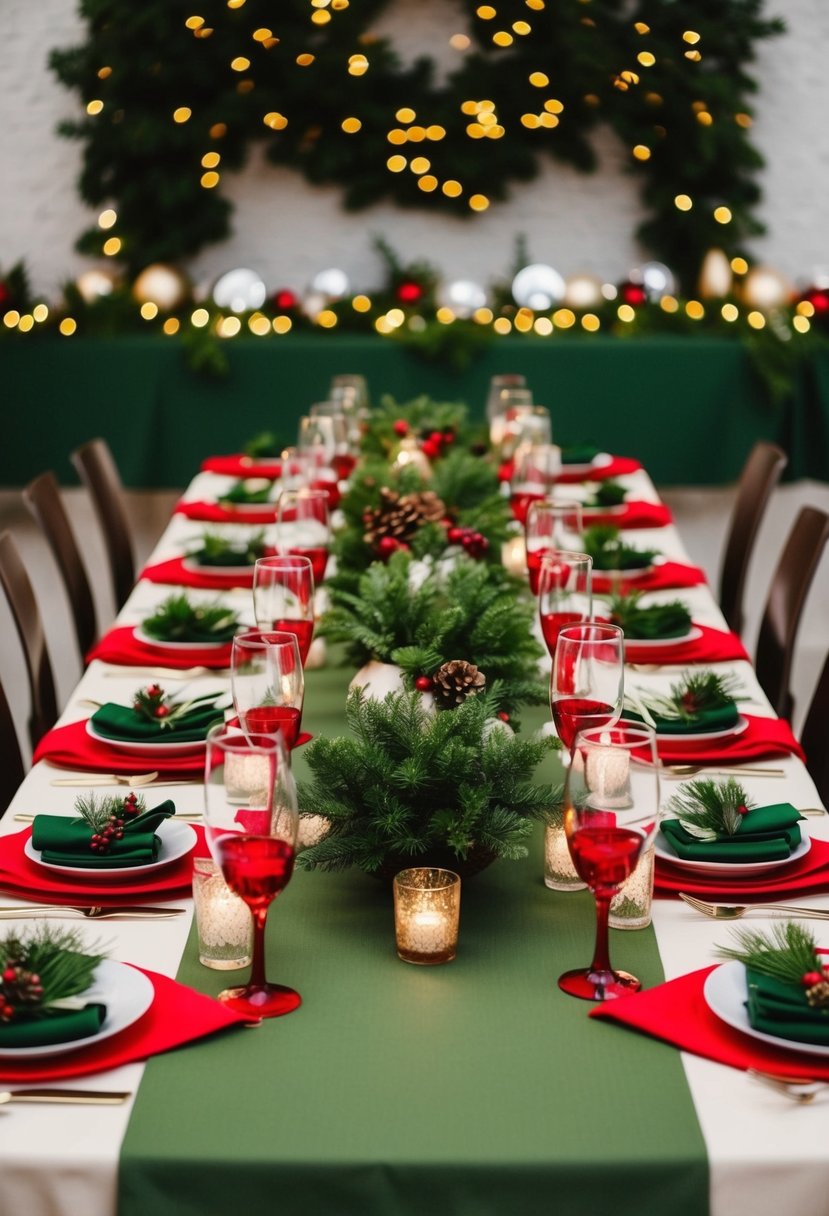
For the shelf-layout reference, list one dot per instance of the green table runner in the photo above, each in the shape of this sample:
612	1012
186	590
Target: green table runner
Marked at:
468	1089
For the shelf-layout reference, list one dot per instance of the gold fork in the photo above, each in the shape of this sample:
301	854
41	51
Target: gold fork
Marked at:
81	1097
36	911
736	911
799	1089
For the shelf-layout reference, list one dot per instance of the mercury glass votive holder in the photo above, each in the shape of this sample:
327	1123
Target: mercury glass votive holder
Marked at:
632	905
223	920
559	871
427	907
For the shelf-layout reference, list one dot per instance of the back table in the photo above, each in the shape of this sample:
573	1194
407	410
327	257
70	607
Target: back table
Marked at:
472	1088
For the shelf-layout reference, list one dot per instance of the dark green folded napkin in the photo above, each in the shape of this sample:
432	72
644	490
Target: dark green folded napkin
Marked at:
127	724
228	557
766	833
721	718
62	1026
579	453
775	1007
242	494
65	842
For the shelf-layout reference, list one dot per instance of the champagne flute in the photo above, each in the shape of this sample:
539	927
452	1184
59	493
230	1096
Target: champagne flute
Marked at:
303	527
564	593
267	683
254	845
535	469
587	679
610	817
283	598
550	524
344	459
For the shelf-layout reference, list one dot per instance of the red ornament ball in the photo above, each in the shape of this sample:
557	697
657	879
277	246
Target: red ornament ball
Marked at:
401	427
285	300
408	292
503	715
811	978
389	545
5	294
818	297
454	536
633	294
430	449
423	683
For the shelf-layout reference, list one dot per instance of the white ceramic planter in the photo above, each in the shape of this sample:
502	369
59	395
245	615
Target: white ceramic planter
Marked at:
377	680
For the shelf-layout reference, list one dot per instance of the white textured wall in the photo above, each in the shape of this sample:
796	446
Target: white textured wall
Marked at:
287	229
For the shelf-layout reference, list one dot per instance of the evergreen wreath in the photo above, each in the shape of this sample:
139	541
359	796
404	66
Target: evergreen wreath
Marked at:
169	94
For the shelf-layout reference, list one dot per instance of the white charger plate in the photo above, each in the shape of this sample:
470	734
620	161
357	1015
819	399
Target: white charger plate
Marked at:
177	840
127	994
731	732
174	747
196	567
140	636
691	636
725	994
736	869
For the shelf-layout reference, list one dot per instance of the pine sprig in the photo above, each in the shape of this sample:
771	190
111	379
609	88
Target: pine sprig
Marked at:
696	693
644	624
49	965
609	552
98	811
216	550
607	494
787	954
407	782
710	809
250	490
178	620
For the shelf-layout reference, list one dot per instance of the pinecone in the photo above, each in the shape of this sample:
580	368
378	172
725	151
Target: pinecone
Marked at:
431	508
399	518
455	681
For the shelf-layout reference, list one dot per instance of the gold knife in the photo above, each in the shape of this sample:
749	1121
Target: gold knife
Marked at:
81	1097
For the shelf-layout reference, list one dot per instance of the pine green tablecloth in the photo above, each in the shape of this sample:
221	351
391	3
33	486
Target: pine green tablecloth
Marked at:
471	1089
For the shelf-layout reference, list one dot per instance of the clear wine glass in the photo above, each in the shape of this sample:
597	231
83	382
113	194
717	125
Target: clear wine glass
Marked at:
251	819
283	598
267	683
564	593
587	682
550	524
303	527
535	469
611	815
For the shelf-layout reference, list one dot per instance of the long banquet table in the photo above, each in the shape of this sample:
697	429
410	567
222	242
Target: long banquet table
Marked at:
472	1088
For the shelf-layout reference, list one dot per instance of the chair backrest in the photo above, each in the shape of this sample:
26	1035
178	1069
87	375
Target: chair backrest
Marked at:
815	735
27	620
42	497
11	761
99	473
761	473
787	595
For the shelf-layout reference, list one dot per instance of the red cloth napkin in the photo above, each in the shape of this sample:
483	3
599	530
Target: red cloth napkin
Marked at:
676	1012
173	571
23	878
660	578
762	737
215	513
177	1015
121	646
713	646
806	875
71	747
239	465
617	467
634	514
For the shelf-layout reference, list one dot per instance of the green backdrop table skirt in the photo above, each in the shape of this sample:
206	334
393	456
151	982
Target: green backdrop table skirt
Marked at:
693	406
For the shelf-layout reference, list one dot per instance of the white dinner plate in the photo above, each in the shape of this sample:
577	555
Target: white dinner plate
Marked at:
177	839
140	636
730	732
174	747
691	636
725	994
736	869
621	575
600	461
597	509
196	567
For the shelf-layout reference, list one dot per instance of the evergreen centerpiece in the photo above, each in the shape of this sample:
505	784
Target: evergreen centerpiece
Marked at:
609	552
409	787
423	617
41	977
640	624
216	550
178	620
434	425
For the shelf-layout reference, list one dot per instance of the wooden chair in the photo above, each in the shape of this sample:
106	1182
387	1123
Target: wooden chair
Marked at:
99	473
42	497
11	761
815	735
24	610
787	595
761	473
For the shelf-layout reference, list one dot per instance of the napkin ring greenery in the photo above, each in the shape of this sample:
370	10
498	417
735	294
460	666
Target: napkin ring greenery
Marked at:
107	817
695	694
177	620
607	494
215	550
656	621
609	552
789	954
709	810
42	973
155	705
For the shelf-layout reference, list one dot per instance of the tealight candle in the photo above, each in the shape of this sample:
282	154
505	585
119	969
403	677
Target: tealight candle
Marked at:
223	921
427	904
514	555
608	771
631	906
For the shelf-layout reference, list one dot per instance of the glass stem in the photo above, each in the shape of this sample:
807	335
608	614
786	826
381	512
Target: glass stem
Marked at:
257	968
601	950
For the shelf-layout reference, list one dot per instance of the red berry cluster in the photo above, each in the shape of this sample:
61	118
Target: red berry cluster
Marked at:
101	842
436	443
18	987
475	543
423	683
150	701
389	544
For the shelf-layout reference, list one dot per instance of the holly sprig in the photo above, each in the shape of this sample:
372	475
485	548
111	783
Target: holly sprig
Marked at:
655	621
710	809
789	953
604	544
176	619
37	972
696	693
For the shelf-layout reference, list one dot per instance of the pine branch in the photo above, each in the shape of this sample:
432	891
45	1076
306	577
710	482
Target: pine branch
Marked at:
609	552
656	621
708	809
788	953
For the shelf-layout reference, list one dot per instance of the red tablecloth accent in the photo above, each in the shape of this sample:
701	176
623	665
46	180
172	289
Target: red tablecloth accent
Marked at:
617	467
174	572
21	877
215	513
762	737
713	646
121	646
676	1012
239	465
71	747
634	514
663	577
178	1015
803	877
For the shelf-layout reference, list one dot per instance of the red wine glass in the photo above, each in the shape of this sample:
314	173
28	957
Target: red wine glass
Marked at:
268	684
550	524
250	819
611	815
536	467
587	680
564	593
303	527
283	597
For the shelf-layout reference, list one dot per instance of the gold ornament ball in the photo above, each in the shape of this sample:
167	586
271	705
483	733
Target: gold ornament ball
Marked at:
715	276
161	285
96	283
583	291
766	288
